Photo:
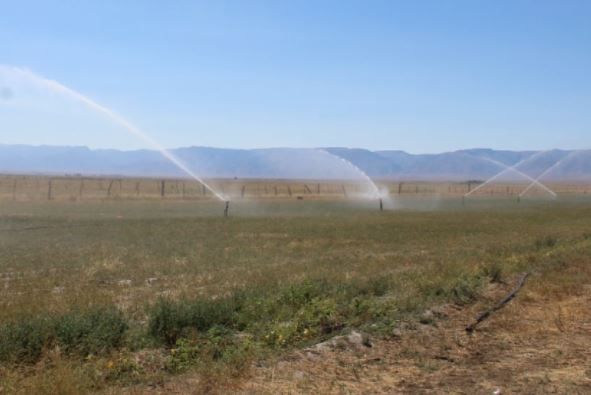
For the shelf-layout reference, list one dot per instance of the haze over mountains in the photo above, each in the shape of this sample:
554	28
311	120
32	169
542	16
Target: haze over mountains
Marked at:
472	164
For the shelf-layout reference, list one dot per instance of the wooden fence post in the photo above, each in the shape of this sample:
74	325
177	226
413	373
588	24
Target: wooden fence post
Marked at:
81	189
110	188
49	189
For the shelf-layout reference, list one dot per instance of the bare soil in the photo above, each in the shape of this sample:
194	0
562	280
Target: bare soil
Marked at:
535	345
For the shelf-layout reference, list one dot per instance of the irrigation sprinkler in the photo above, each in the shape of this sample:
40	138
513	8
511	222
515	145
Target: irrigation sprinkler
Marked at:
227	208
381	205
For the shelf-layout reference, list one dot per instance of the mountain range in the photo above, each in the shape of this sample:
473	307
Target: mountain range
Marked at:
300	163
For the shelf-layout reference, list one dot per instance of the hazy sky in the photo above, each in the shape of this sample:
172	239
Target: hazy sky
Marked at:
422	76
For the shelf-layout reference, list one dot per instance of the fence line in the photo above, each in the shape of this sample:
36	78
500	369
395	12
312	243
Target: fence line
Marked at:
22	187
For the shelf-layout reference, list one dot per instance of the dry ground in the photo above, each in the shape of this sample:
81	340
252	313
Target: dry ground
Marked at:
61	257
539	343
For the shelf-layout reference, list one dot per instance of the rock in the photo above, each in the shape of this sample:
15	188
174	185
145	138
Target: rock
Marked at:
151	280
441	311
428	317
358	339
124	283
354	340
397	333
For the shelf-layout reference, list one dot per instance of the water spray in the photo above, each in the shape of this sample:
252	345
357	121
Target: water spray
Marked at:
550	169
375	190
57	87
511	169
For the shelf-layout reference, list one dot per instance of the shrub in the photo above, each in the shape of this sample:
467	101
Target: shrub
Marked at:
495	272
93	331
169	320
218	344
24	340
80	332
297	295
465	289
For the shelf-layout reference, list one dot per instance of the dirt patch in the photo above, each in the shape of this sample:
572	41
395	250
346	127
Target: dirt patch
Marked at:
531	346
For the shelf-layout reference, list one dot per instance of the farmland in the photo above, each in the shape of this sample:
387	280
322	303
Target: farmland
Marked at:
184	295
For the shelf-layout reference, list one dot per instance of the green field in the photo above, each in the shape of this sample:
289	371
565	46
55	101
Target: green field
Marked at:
199	292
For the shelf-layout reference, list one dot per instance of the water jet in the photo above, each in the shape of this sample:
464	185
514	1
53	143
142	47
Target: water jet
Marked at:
63	90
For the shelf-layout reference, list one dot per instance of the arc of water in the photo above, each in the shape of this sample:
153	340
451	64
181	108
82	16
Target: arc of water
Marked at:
548	170
533	181
515	170
64	90
356	169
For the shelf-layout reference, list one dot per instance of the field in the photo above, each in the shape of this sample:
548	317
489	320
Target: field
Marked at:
162	295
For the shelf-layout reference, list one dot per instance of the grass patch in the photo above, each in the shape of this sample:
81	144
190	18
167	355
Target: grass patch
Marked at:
224	291
80	332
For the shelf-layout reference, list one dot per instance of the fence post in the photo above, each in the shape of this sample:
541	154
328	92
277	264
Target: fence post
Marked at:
162	188
110	188
49	191
81	189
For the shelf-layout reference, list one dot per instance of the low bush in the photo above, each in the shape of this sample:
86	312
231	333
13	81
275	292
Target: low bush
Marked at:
24	341
80	332
169	320
91	332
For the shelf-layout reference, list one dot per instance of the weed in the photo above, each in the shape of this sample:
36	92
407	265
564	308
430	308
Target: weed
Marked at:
80	332
93	331
495	272
546	242
169	320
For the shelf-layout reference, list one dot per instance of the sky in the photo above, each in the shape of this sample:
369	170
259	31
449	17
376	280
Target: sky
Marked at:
420	76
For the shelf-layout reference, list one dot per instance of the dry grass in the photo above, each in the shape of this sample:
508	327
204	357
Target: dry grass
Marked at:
57	257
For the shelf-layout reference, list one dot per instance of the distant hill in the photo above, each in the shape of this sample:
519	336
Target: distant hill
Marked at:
473	164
